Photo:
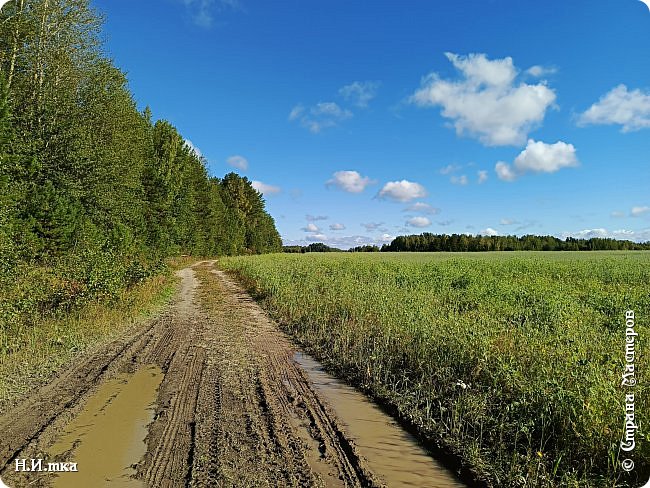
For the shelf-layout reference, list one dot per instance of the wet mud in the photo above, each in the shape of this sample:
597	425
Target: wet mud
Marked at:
392	454
208	394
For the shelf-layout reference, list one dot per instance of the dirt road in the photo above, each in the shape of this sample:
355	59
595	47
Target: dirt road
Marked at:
232	409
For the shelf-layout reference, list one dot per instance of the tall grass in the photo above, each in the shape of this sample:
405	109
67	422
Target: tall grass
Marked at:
37	341
511	360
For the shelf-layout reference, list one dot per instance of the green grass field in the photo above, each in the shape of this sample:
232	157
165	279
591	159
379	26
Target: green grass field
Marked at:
512	361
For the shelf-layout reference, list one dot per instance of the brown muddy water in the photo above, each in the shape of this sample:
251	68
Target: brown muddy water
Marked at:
392	453
107	438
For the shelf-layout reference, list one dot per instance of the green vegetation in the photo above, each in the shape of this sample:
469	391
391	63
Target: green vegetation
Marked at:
32	355
513	361
93	194
428	242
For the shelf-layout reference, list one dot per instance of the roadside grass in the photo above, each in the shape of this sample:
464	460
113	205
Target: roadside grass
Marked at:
511	361
36	345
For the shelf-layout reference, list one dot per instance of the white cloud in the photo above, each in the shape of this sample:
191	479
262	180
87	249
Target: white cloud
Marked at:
423	208
489	232
192	147
402	191
504	172
296	112
342	242
459	180
320	116
629	109
445	223
264	188
487	103
539	71
337	226
450	168
418	222
639	211
204	11
331	109
360	92
311	227
482	176
350	181
314	218
372	226
617	215
239	162
539	157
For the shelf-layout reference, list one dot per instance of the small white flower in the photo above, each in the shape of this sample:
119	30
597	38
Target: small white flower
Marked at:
461	384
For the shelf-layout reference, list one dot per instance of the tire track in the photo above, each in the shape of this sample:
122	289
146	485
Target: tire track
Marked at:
233	408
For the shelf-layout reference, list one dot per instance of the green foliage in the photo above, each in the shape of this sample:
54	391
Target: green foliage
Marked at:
93	195
428	242
511	360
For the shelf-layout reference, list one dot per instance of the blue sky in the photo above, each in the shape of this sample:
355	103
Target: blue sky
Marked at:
361	121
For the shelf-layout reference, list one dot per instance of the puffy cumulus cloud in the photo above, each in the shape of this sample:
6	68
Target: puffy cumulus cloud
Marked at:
315	218
504	172
639	211
489	232
239	162
486	102
402	191
350	181
316	237
360	92
539	157
642	235
193	148
418	222
265	189
336	226
538	71
320	116
620	106
482	176
422	207
311	227
459	180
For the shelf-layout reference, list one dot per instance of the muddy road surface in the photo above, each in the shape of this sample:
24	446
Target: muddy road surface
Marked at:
208	394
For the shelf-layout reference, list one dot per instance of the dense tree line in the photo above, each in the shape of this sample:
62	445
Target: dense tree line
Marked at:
428	242
91	189
313	247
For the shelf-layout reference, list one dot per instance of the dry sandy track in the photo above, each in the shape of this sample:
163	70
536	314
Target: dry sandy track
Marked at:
233	408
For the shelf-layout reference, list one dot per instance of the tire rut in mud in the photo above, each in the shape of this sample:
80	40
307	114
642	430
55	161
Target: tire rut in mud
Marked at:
233	408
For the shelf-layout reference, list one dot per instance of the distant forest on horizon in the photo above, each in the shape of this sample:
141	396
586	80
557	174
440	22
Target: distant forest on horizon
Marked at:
428	242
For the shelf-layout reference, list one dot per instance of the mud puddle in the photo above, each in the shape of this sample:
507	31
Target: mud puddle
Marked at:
106	439
392	454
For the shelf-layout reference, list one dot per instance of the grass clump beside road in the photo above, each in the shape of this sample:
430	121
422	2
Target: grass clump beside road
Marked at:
513	361
38	340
